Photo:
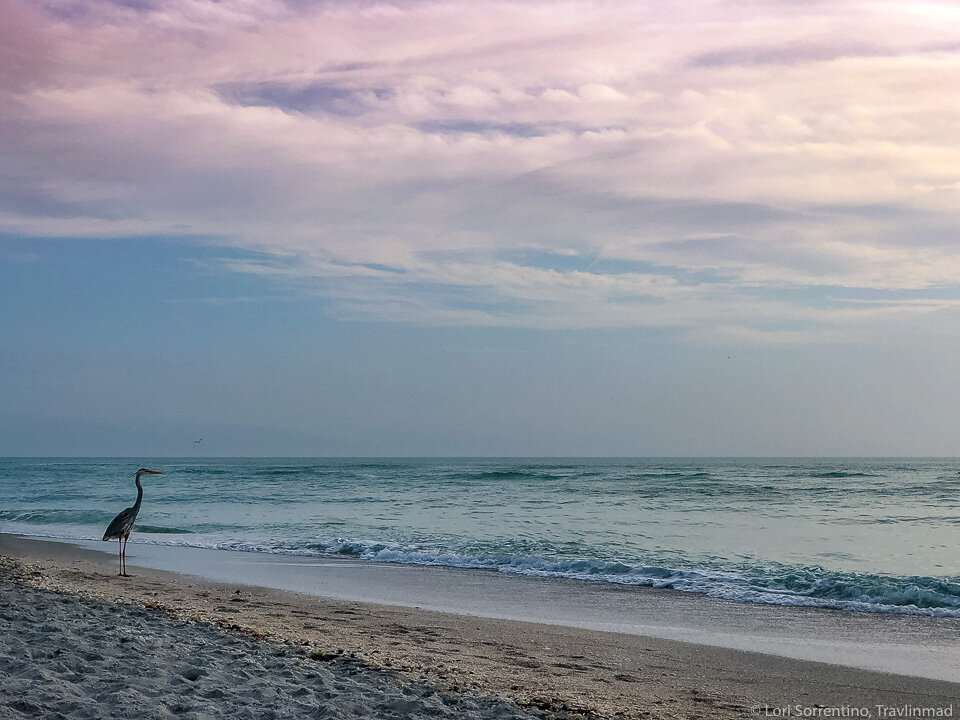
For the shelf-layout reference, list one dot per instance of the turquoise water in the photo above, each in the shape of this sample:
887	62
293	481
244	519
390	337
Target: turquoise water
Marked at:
855	534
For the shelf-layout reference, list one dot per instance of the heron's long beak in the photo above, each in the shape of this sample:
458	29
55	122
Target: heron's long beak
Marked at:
154	472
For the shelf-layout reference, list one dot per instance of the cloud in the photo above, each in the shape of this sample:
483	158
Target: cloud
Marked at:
407	156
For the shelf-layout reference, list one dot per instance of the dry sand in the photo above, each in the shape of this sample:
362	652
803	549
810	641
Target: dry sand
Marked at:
550	669
67	657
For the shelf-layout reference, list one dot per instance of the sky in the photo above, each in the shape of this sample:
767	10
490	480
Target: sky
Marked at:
709	227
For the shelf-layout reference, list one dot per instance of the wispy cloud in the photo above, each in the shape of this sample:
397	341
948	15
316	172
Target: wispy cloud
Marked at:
407	156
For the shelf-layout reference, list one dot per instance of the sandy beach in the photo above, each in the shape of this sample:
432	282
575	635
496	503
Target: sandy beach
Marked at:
389	661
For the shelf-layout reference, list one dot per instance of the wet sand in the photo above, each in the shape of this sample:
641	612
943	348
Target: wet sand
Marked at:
559	669
891	643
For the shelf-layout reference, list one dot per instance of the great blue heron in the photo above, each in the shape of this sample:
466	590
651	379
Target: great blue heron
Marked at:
122	524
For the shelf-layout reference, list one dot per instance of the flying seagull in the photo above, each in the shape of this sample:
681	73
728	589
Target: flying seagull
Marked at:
197	442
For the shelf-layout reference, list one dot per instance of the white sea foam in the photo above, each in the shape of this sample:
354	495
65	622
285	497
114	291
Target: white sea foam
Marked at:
873	594
866	535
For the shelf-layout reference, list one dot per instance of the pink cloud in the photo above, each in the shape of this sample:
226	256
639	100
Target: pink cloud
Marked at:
392	133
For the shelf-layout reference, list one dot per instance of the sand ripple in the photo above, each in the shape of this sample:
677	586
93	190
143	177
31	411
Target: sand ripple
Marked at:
66	657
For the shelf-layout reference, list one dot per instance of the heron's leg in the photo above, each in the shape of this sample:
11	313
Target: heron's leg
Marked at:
120	548
125	555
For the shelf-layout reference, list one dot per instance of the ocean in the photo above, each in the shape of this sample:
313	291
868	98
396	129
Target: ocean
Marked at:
872	535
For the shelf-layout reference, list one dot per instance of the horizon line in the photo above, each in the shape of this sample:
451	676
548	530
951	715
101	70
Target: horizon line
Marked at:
480	457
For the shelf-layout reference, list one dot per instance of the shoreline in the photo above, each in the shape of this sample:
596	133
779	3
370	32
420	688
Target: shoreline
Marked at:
903	644
611	674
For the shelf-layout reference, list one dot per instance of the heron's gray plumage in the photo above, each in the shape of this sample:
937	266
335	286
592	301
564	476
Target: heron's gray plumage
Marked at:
122	525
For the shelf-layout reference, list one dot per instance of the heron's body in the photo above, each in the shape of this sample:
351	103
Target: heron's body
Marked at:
122	525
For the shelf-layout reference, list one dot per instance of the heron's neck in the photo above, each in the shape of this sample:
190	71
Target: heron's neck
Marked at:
136	505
